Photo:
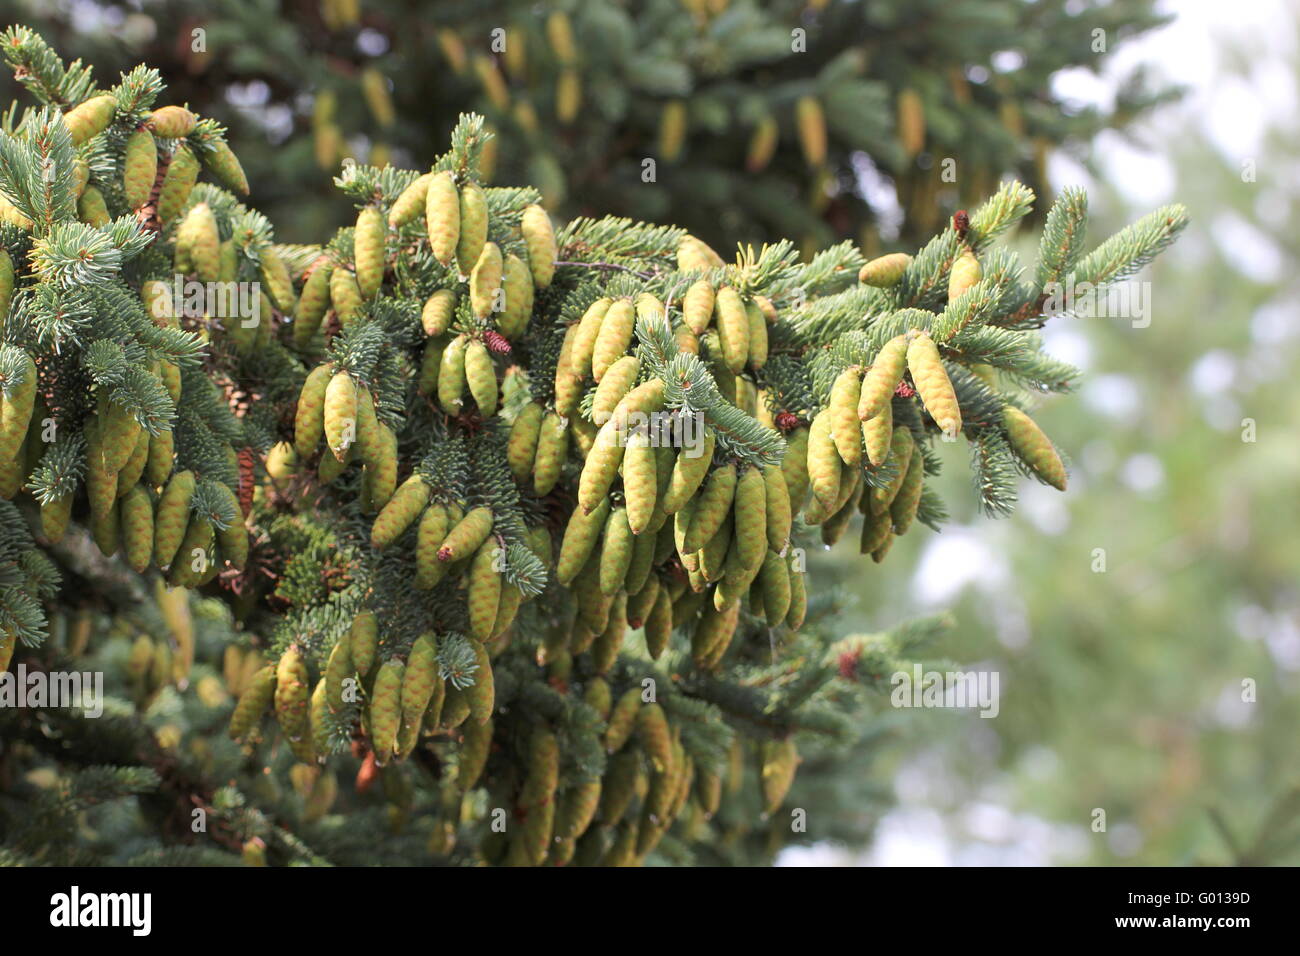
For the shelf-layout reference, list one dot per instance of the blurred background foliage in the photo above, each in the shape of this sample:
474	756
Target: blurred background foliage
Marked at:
1130	689
1122	689
779	119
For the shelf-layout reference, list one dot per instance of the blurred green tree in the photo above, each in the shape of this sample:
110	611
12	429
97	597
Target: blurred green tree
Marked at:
1147	629
757	121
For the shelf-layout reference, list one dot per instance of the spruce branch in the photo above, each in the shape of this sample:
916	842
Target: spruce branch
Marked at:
1126	252
1011	203
1063	236
38	68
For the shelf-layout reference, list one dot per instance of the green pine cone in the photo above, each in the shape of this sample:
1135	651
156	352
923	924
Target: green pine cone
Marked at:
172	517
386	709
253	702
400	512
136	513
368	251
484	592
481	695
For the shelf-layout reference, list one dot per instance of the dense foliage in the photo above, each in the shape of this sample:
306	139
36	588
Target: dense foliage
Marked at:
408	491
756	121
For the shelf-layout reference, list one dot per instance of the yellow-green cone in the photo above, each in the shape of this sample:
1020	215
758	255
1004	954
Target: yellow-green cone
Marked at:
92	209
253	702
902	509
442	217
932	383
204	242
521	449
345	296
474	751
485	281
843	411
451	376
469	533
697	306
312	304
640	480
484	592
482	694
363	641
368	251
291	696
225	165
55	515
434	524
438	311
1034	447
613	338
90	118
172	122
430	366
616	382
381	469
622	720
794	466
136	515
195	556
539	237
777	508
655	736
885	271
757	335
340	414
780	760
659	624
172	517
552	448
17	400
601	466
616	552
119	431
712	507
877	433
410	203
517	283
823	460
585	333
900	452
338	668
774	580
964	275
419	679
751	518
733	328
276	281
882	378
580	537
473	226
386	709
481	376
689	470
399	513
139	168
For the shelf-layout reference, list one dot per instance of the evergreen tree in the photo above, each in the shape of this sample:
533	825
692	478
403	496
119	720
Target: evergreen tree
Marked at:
503	524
